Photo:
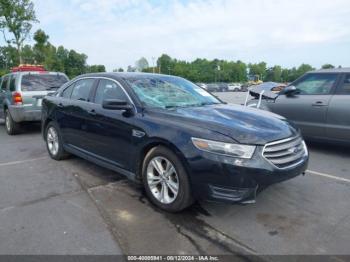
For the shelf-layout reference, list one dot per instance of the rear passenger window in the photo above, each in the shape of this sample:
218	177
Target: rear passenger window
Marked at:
13	83
4	83
82	89
67	92
108	90
344	88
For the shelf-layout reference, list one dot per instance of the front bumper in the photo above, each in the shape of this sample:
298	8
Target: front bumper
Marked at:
227	179
23	114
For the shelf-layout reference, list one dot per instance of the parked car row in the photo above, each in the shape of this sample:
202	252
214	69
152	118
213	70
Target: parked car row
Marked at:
222	87
235	87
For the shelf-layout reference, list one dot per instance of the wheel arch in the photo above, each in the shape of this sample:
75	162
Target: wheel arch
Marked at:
44	126
5	107
154	143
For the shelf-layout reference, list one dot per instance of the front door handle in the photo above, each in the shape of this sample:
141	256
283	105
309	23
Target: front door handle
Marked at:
60	105
319	103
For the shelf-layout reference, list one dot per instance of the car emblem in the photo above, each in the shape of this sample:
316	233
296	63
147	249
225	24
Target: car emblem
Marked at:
293	150
138	133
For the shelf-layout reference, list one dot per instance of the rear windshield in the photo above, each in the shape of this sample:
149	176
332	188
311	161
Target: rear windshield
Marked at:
42	82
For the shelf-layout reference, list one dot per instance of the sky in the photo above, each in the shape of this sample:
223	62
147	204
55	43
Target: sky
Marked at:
116	33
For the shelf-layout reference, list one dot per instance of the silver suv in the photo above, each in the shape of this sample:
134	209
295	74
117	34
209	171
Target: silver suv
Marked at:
21	94
318	102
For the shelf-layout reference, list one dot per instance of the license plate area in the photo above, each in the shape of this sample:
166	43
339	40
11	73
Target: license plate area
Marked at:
39	102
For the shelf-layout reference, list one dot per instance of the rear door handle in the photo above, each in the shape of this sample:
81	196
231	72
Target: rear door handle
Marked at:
319	103
93	112
60	105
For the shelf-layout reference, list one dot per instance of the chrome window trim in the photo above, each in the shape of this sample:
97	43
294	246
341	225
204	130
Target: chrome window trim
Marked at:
105	78
306	152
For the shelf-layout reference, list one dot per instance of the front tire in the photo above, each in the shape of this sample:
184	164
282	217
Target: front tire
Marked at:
165	180
12	128
54	143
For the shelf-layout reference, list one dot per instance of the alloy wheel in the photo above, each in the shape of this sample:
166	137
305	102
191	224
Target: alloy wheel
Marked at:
52	141
7	122
162	180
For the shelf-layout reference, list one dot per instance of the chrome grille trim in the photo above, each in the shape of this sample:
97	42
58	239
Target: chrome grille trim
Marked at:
283	145
285	153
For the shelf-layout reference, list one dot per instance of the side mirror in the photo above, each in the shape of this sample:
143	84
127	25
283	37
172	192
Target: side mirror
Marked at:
290	91
116	104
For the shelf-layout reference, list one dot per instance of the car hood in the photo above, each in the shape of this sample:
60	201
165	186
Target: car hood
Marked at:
266	88
243	124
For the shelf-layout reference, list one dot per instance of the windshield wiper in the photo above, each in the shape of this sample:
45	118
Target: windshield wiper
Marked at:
52	87
191	105
208	103
181	106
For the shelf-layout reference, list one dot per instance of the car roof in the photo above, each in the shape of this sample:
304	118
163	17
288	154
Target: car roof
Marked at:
124	75
333	70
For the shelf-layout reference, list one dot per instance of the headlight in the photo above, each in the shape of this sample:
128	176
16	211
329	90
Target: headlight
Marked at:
235	150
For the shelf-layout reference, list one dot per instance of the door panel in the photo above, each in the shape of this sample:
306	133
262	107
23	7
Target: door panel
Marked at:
62	113
109	135
338	117
110	131
2	99
3	90
308	108
72	112
308	112
73	125
70	118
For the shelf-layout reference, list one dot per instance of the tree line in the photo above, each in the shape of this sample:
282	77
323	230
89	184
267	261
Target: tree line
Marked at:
208	71
16	20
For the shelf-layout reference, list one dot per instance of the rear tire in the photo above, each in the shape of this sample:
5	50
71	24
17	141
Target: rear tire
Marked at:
12	127
169	190
54	142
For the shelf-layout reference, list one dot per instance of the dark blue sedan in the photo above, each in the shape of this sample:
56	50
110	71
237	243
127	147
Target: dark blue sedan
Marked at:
175	138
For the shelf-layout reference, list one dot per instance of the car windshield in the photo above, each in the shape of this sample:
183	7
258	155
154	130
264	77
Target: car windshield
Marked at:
170	92
42	82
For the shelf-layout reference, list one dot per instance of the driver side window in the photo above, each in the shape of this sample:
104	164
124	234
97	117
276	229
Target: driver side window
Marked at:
316	84
108	90
344	88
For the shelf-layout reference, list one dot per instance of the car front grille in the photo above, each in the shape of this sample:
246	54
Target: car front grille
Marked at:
285	153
